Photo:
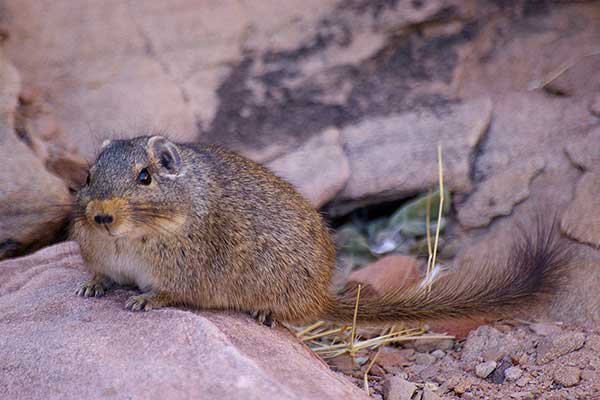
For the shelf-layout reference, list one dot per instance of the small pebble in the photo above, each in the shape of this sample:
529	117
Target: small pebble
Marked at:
544	329
513	373
361	360
462	386
429	394
556	345
439	354
484	369
522	382
396	388
427	345
567	376
424	359
522	395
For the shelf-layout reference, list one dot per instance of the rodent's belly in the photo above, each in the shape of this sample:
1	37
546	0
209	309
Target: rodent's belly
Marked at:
126	269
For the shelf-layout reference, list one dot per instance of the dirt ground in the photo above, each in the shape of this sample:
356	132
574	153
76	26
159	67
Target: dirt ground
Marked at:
505	360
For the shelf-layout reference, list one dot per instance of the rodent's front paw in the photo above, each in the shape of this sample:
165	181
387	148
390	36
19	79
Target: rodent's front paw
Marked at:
92	288
264	317
148	301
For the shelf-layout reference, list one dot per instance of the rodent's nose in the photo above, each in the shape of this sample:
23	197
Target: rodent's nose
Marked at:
103	219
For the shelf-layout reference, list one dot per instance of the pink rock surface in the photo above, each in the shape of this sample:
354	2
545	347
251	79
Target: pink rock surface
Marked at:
55	345
388	273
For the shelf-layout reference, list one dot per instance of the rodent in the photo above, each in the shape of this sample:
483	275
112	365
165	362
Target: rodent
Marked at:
200	226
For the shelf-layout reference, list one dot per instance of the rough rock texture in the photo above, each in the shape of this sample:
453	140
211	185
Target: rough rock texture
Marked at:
396	388
31	199
513	373
56	345
468	372
544	329
265	79
487	339
498	195
554	346
318	169
484	369
583	151
567	376
390	272
411	139
580	220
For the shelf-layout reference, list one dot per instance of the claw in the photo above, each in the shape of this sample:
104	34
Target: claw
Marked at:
147	301
95	287
264	317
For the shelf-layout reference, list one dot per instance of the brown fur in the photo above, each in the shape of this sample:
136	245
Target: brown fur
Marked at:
216	230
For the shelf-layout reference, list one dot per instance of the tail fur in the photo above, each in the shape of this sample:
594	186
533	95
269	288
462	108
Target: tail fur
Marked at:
535	267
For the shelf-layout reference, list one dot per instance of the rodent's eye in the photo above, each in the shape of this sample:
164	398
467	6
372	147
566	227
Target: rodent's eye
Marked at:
87	180
144	177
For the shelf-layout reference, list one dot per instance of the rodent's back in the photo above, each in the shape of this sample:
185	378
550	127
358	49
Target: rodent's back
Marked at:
269	242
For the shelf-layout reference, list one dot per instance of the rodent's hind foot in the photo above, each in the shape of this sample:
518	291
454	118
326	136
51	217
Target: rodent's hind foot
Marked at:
95	287
148	301
264	317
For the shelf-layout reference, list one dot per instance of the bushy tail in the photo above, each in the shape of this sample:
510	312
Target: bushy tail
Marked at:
535	267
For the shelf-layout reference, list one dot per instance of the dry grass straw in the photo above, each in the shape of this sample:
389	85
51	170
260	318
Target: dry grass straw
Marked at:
330	341
555	74
432	258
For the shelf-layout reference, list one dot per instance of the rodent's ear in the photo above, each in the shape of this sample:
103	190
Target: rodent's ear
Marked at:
165	153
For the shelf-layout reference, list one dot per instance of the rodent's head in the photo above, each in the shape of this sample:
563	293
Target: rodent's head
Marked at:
135	188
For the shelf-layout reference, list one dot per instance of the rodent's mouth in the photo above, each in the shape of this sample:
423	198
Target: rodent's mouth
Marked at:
109	231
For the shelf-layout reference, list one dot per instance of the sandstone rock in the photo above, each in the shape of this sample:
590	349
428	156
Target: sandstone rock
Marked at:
396	388
427	345
567	376
513	373
29	94
593	343
391	359
522	382
318	169
33	203
579	220
439	354
583	152
498	195
424	359
556	345
459	328
484	369
498	376
544	329
403	148
10	79
595	106
522	395
92	347
389	272
342	363
187	68
520	132
45	126
493	354
484	338
429	394
429	372
462	386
